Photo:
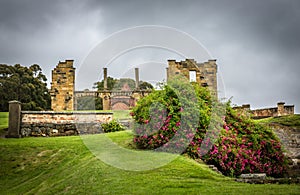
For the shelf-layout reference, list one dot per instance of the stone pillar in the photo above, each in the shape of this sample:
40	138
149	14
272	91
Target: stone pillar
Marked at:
137	79
106	101
246	107
14	119
63	86
105	78
280	109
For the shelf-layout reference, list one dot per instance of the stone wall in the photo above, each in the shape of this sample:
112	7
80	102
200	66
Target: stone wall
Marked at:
205	73
63	86
280	110
51	123
290	139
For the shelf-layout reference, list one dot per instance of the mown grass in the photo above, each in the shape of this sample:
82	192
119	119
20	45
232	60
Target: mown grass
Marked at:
64	165
3	122
289	120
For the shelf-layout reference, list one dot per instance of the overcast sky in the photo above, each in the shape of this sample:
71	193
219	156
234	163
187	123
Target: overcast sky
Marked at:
256	43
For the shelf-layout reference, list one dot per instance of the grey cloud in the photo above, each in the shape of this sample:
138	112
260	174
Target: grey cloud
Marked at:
256	43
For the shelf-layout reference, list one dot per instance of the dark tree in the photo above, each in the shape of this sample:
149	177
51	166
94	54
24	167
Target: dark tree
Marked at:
145	85
118	84
110	84
27	85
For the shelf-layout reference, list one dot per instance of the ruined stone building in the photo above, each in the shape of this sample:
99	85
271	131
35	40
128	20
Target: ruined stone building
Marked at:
280	110
63	94
203	73
63	86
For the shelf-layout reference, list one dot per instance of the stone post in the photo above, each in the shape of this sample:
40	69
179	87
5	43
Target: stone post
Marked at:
137	79
14	122
105	78
106	101
280	109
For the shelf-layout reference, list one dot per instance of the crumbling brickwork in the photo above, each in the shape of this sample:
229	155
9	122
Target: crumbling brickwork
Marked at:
63	86
280	110
203	73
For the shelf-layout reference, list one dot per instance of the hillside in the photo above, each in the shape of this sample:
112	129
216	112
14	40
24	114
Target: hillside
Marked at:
287	128
290	121
63	165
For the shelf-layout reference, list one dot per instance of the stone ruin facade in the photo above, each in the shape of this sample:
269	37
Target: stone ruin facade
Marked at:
280	110
205	74
64	96
63	86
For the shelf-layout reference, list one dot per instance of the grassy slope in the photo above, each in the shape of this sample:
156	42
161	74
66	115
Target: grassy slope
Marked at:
290	120
3	122
60	165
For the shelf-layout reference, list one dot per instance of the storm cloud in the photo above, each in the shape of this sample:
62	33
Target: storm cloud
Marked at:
256	43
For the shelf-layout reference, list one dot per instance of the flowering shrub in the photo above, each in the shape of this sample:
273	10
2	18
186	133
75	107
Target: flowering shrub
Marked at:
161	114
241	146
246	147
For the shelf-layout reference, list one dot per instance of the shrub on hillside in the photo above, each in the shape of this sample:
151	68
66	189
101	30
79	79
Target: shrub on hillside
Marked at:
159	116
237	146
246	147
112	126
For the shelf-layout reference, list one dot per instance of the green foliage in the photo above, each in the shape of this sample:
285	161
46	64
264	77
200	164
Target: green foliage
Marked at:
145	85
112	126
289	120
161	115
110	84
3	122
63	165
27	85
233	143
119	84
246	147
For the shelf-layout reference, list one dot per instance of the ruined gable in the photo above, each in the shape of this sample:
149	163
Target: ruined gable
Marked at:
63	86
203	73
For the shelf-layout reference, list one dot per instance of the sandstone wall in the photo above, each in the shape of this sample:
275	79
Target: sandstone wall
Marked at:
51	123
205	73
63	86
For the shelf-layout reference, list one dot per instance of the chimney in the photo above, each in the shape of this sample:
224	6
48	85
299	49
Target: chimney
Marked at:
137	79
105	78
280	108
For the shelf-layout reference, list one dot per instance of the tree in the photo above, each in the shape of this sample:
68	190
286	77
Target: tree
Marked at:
27	85
118	84
145	85
110	84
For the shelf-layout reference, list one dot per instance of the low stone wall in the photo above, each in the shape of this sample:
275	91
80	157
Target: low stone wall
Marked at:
51	123
280	110
290	139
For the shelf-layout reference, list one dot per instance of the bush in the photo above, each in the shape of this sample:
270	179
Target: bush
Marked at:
112	126
235	143
246	147
161	115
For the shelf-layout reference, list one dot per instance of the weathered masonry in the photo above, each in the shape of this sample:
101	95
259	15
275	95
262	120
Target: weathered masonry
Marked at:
64	96
63	86
280	110
54	123
123	99
203	73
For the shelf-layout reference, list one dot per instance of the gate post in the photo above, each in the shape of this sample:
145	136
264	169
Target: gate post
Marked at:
14	119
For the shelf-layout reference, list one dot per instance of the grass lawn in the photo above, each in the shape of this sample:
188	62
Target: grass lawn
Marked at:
3	122
289	120
64	165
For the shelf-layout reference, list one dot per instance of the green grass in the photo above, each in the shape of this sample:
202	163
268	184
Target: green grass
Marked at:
3	122
289	120
121	114
3	119
64	165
